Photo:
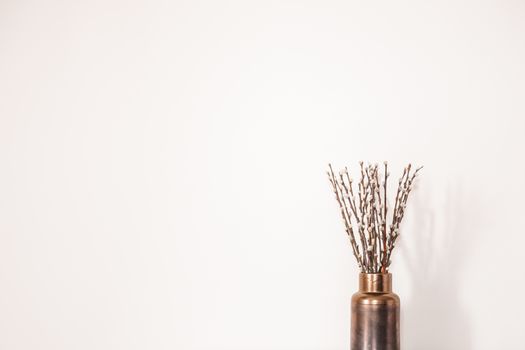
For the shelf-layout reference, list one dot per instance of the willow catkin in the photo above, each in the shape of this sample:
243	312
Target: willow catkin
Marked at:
366	216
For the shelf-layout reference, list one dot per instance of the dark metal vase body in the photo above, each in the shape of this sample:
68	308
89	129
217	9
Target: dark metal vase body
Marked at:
375	314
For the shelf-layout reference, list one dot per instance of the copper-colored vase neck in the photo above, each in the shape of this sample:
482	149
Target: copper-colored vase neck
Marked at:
375	282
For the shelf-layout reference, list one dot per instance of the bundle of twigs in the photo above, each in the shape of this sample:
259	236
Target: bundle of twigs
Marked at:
366	215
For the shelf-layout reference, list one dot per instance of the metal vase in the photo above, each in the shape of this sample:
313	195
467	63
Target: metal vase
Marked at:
375	314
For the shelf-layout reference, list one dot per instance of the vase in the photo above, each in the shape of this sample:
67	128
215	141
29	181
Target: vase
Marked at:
375	314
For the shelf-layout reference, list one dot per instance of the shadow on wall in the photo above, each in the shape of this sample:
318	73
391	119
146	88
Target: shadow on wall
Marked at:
434	317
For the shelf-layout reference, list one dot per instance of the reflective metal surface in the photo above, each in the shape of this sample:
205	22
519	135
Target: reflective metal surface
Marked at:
375	314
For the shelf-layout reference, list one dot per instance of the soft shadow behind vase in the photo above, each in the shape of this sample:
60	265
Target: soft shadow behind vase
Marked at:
375	314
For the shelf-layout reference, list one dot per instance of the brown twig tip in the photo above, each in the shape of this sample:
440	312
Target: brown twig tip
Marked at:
367	215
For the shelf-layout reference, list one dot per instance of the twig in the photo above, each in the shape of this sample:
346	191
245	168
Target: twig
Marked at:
370	213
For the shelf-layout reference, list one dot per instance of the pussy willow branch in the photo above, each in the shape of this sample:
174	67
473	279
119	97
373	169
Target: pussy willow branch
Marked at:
369	213
339	196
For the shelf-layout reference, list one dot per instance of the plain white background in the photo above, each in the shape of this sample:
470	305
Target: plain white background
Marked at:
162	170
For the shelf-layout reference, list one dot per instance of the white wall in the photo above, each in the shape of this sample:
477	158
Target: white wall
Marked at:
162	170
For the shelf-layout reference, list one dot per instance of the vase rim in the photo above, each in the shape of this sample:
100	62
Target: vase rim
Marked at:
375	282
